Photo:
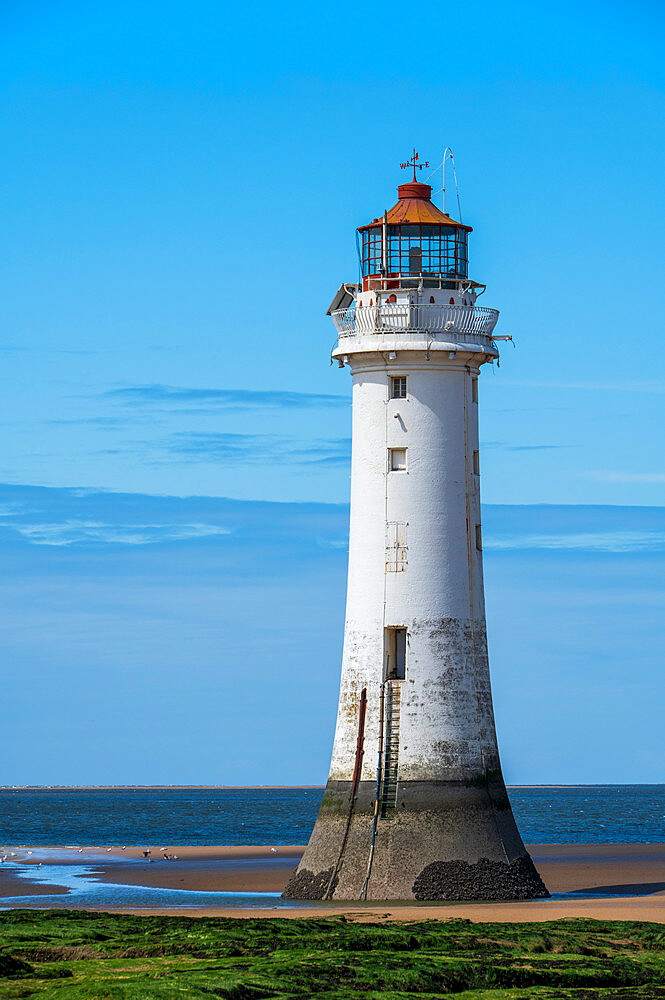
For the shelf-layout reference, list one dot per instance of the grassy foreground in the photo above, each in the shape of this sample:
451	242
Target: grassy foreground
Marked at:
69	955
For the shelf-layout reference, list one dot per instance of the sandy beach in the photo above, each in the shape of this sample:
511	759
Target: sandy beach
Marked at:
627	881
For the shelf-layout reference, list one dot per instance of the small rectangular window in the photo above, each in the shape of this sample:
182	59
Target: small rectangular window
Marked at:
476	463
395	648
398	387
479	538
397	459
396	547
474	390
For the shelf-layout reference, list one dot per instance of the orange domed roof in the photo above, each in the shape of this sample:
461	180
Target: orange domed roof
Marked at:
415	206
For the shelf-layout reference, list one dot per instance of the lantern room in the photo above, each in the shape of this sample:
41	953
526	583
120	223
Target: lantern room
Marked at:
414	244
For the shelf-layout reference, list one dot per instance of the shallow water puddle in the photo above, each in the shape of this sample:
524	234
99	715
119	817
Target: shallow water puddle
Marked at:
83	890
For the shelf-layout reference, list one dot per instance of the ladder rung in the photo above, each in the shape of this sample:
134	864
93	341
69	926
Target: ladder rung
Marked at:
391	751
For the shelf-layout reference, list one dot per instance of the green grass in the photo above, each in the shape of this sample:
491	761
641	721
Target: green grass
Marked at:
73	955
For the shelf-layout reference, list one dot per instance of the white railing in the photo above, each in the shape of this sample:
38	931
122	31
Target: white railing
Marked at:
397	317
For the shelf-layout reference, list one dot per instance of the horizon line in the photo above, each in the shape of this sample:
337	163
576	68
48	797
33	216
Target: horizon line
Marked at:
25	788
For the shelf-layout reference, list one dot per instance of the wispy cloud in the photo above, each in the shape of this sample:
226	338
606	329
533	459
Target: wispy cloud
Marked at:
536	447
491	445
73	532
616	476
600	541
108	422
178	396
249	448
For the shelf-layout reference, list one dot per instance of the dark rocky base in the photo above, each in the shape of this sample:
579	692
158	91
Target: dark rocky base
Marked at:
484	880
304	884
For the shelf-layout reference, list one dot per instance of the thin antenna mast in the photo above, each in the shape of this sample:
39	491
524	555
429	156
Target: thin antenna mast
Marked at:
447	154
446	151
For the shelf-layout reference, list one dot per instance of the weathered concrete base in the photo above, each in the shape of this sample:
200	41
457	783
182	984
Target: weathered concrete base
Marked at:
304	884
446	840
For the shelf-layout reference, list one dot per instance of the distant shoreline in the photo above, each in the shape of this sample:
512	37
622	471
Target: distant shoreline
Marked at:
249	788
147	788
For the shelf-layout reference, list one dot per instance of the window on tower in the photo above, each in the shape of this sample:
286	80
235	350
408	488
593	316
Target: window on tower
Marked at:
479	538
474	390
396	547
398	387
397	459
395	654
476	462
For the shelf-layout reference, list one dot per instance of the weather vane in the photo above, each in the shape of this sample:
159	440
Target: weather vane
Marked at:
413	162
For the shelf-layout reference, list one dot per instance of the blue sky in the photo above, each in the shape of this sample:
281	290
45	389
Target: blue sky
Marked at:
181	184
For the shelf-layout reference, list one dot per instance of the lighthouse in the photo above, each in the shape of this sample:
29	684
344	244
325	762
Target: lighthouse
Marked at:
415	806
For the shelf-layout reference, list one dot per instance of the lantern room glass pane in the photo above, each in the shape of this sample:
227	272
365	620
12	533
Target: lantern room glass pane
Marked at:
414	249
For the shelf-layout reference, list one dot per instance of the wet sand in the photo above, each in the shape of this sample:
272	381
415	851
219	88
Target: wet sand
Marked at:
645	909
12	885
629	880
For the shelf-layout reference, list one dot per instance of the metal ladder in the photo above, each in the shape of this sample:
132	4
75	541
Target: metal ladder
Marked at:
390	750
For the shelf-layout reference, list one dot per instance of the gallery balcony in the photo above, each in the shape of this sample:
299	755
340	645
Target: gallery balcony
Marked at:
459	322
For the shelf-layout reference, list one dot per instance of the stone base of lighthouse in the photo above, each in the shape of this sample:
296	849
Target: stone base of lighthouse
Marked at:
445	840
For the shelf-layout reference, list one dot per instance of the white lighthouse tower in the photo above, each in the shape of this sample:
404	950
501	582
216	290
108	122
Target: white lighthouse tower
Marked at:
415	805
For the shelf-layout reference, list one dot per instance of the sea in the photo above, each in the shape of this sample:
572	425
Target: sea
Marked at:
588	814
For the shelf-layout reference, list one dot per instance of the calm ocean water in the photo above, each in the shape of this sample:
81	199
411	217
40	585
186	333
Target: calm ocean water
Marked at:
594	814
